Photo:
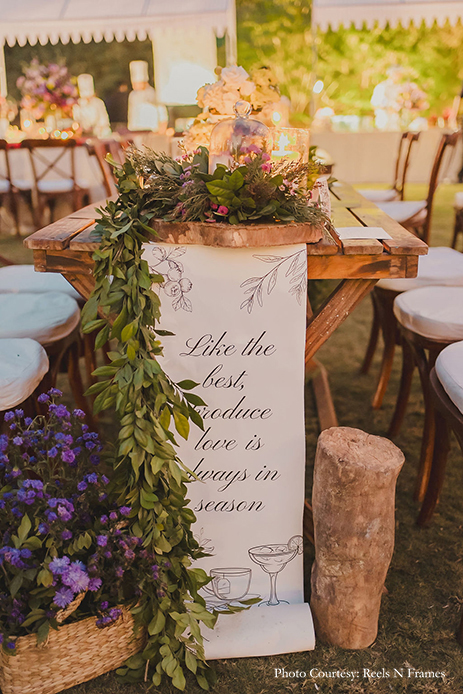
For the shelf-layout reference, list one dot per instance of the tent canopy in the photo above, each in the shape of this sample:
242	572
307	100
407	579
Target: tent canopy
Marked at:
335	13
183	32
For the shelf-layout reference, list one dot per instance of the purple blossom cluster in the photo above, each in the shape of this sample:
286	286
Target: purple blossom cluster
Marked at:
47	86
60	530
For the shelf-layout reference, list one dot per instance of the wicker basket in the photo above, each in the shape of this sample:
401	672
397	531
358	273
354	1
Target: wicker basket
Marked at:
76	653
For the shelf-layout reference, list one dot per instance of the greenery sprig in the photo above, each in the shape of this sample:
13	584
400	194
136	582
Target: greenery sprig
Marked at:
255	190
148	474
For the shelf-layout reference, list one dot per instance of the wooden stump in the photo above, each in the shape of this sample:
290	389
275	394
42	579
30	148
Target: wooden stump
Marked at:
353	503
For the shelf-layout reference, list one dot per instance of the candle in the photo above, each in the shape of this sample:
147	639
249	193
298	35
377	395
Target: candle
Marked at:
291	143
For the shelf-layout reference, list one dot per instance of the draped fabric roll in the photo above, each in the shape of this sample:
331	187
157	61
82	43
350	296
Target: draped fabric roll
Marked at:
239	321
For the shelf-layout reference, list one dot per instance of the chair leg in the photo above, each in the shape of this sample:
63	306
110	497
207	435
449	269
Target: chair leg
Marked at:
373	341
15	212
429	427
389	331
52	208
408	367
437	472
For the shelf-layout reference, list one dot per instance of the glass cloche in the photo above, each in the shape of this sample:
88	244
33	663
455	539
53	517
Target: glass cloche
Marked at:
235	138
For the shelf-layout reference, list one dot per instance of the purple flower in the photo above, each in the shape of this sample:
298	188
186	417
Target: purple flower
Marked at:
18	441
8	416
68	456
58	565
26	553
90	445
62	411
64	514
82	486
76	577
155	571
11	645
104	520
102	540
55	392
28	421
43	397
66	534
63	597
92	478
51	515
53	452
104	479
78	413
129	554
95	459
119	571
125	510
104	605
19	412
113	515
108	555
43	528
94	584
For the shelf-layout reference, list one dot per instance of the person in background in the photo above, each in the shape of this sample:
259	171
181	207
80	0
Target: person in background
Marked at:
144	112
90	111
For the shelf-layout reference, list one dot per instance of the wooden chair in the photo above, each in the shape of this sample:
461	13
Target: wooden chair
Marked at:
383	294
448	415
7	190
64	182
429	319
397	190
415	215
100	149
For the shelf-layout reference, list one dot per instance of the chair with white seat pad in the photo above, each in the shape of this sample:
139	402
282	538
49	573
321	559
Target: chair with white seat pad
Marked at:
23	365
430	319
442	266
55	175
396	192
23	278
53	319
446	386
416	215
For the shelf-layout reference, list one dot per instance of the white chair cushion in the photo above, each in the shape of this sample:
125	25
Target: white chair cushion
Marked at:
442	266
402	209
60	185
21	184
458	201
449	370
23	364
42	317
433	312
4	186
24	278
379	195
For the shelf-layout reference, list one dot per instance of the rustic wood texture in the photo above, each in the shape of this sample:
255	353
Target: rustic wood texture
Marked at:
353	504
236	235
57	236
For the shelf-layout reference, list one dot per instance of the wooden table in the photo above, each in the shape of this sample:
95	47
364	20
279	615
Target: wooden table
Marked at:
67	246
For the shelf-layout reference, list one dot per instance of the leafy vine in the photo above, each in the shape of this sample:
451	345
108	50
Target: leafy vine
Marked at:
148	475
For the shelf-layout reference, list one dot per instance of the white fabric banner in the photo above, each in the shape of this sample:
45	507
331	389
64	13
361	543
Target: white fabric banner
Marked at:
239	321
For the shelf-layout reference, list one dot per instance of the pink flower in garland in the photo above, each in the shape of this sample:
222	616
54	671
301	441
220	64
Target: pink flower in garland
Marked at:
222	210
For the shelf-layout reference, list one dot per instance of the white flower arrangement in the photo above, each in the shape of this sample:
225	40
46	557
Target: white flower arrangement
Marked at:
218	99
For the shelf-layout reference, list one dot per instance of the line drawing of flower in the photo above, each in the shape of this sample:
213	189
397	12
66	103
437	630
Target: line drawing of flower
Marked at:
175	285
297	270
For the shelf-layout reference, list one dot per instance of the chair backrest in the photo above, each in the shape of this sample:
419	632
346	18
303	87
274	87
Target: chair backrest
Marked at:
52	164
403	160
100	149
447	141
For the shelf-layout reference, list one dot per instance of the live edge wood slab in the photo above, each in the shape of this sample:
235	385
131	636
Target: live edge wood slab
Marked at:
67	247
236	235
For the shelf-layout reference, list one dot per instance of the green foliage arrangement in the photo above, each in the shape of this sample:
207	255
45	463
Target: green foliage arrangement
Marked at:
148	475
257	190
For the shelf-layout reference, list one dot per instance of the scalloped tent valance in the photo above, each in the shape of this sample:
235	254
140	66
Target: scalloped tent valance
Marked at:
335	13
182	23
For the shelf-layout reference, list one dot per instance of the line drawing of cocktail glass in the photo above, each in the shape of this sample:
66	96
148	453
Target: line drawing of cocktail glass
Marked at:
272	559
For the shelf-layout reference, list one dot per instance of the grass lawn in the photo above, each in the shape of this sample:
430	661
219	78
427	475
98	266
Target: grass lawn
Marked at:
422	608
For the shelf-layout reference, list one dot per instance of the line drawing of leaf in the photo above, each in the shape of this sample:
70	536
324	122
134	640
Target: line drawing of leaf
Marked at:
251	290
292	266
250	281
269	258
158	253
259	295
250	305
177	303
177	252
187	305
272	281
